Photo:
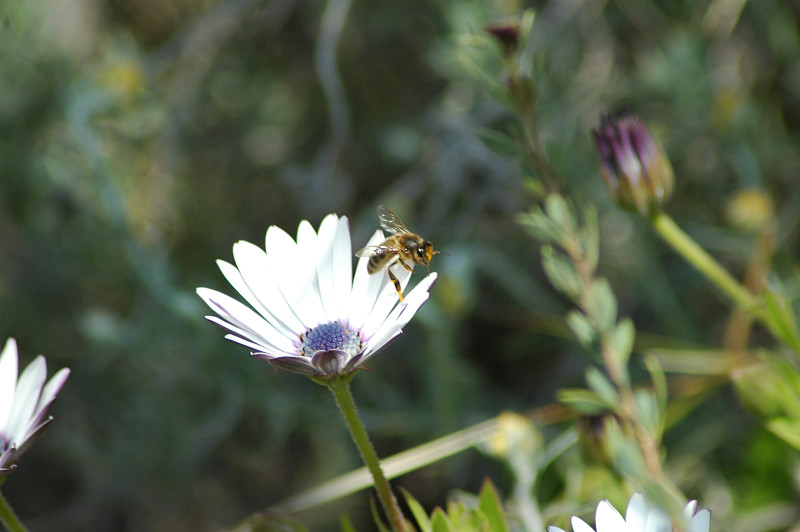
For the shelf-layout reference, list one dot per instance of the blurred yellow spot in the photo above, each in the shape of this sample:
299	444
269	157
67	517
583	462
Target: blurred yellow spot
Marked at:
124	78
451	296
515	434
726	104
749	210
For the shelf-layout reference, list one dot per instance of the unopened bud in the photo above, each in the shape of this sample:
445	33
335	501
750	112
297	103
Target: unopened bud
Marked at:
635	168
508	35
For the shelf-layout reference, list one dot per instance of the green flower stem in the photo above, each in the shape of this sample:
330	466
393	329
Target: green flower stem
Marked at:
340	387
701	260
8	518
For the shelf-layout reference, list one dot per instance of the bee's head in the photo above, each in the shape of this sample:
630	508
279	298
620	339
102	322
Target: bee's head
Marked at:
425	252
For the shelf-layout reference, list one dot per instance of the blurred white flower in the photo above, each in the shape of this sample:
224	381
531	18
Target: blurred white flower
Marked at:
311	315
24	403
640	517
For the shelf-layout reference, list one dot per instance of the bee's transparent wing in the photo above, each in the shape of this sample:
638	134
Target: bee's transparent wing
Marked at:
371	251
390	221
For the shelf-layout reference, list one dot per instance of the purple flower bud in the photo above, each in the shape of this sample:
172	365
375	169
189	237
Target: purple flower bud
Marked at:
635	168
507	34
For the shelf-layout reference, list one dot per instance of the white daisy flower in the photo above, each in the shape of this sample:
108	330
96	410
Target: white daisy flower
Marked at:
640	517
312	316
24	403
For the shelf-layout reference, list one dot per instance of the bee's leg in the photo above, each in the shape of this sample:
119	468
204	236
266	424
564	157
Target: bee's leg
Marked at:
406	266
396	283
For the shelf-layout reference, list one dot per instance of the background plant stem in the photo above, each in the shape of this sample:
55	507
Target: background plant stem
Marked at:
697	256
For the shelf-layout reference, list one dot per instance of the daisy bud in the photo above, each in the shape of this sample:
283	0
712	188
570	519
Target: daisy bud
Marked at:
635	168
507	34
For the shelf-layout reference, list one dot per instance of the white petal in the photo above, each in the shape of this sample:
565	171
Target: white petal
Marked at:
239	317
248	338
637	512
29	388
386	300
578	525
657	521
46	398
690	510
308	250
255	273
306	239
342	265
295	275
608	519
402	313
268	350
8	380
365	287
701	522
555	529
325	275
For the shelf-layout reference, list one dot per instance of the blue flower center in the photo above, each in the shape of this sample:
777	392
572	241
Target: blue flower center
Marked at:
328	337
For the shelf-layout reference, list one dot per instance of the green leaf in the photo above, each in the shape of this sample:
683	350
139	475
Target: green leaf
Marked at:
526	24
269	523
781	318
419	513
581	328
376	517
589	236
500	143
584	401
786	429
659	383
622	340
492	508
771	388
346	525
560	211
440	522
540	226
604	306
648	413
561	272
600	384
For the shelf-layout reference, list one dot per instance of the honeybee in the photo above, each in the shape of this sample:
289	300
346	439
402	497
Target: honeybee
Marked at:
403	246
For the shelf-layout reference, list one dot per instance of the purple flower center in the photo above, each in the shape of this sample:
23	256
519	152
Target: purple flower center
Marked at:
331	336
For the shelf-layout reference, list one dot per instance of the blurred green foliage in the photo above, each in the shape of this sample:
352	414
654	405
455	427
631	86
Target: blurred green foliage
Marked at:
140	139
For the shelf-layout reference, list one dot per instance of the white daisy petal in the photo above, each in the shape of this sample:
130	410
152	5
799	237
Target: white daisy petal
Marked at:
658	521
401	314
342	265
295	275
608	519
309	314
325	273
640	517
636	514
241	320
579	525
386	299
255	270
287	323
365	287
8	380
46	399
701	522
29	388
24	403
